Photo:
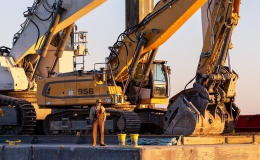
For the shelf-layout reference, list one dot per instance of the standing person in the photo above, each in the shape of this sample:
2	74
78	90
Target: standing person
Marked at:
98	116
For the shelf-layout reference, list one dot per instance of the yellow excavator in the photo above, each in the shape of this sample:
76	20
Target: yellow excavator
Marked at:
130	82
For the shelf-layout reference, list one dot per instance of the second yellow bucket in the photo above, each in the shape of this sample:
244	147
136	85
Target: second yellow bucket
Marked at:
134	139
121	139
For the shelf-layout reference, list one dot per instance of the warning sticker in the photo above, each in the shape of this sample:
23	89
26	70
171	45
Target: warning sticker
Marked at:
70	92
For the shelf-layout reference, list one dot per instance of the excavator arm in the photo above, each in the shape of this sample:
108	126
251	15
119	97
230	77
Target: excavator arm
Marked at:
208	107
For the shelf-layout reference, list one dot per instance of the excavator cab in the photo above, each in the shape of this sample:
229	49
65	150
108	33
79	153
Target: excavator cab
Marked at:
148	89
161	76
157	82
153	88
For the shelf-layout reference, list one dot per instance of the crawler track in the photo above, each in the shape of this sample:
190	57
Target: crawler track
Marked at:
128	122
26	116
72	114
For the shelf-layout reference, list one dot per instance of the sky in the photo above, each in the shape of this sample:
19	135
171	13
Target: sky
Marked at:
182	50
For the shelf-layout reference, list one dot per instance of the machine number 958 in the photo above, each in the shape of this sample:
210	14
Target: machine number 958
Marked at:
85	91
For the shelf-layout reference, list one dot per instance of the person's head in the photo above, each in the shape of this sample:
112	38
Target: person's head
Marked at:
98	102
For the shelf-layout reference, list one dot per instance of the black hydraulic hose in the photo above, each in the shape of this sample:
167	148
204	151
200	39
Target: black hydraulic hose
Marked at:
38	35
43	19
184	91
48	38
5	49
152	15
149	17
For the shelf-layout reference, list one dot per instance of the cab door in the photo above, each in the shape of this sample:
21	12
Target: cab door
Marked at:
159	89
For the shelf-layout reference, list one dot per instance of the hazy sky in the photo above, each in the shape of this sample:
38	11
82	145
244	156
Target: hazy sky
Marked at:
182	50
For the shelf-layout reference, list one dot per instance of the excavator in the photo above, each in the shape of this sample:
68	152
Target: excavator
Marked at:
130	82
46	32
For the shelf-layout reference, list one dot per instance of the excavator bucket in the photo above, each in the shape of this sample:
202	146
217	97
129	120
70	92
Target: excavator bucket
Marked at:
184	118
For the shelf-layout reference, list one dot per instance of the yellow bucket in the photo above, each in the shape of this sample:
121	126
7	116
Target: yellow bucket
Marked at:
134	139
121	139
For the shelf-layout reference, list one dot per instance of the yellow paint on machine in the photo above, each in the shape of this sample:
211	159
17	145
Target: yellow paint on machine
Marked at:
177	24
154	101
114	89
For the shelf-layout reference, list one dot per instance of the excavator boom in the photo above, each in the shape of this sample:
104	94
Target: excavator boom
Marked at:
158	26
39	19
